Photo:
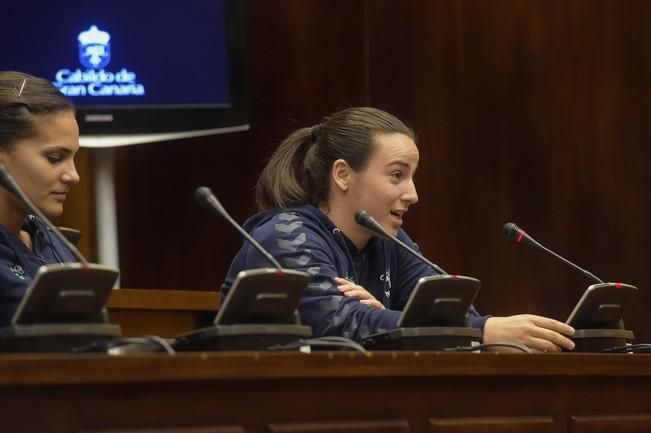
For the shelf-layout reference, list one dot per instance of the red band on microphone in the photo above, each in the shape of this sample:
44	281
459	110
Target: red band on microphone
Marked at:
522	233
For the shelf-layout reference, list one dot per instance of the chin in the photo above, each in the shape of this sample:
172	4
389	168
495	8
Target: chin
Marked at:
53	212
391	228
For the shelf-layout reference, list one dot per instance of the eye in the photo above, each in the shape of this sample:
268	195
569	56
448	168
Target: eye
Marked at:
397	175
54	158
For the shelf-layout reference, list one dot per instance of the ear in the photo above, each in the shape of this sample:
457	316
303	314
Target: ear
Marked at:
341	174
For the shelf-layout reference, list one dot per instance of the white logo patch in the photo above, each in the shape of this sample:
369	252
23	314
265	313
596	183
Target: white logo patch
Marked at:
386	277
18	271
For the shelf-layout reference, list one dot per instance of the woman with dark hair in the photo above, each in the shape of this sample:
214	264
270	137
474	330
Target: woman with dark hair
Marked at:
309	191
39	138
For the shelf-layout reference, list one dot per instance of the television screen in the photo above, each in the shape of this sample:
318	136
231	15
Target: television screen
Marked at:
134	66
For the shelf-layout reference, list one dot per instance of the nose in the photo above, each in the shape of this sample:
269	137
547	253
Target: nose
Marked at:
70	175
410	195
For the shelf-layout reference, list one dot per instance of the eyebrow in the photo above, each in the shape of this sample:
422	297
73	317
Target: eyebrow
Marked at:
57	147
401	163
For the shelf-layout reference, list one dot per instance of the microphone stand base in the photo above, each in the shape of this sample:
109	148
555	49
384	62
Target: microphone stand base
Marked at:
240	337
598	340
54	337
423	338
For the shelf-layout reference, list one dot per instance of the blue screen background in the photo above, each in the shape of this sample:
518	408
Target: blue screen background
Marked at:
177	49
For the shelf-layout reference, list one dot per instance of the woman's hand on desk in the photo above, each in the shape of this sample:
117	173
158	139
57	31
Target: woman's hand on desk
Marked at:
537	332
352	290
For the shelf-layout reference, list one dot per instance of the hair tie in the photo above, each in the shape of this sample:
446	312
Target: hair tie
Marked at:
314	132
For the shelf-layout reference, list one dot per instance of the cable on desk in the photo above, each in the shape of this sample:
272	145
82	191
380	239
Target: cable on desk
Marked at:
332	342
629	348
518	346
124	345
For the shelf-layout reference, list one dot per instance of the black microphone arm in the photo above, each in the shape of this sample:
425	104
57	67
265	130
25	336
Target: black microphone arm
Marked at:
205	197
368	222
520	236
10	185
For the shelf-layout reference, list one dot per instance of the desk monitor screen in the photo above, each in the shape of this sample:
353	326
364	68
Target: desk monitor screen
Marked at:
68	293
265	295
440	300
602	306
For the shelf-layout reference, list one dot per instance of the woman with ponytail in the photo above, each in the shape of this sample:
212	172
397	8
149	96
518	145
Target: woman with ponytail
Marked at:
308	194
39	138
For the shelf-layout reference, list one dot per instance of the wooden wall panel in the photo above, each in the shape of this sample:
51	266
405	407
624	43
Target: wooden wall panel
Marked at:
532	112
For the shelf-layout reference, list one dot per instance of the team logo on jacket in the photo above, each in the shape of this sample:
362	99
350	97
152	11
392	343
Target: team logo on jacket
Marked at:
18	271
386	278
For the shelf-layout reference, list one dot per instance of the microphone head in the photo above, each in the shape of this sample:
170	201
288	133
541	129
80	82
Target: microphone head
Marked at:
512	230
362	217
368	222
205	197
517	234
203	194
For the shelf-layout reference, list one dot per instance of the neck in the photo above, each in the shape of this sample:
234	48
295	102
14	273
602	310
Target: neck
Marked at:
345	221
13	214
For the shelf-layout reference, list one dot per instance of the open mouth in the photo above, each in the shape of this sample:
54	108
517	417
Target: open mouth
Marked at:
397	214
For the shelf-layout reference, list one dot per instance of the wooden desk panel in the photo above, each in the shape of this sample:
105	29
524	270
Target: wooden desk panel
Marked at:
325	392
166	313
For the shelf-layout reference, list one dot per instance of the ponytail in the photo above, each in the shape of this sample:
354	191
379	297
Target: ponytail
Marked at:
299	170
281	183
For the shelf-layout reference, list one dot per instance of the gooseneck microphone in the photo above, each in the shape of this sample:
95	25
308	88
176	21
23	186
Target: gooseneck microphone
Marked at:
520	236
368	222
10	185
205	197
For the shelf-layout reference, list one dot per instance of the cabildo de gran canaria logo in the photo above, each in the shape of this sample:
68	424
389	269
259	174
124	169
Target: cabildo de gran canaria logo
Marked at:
94	55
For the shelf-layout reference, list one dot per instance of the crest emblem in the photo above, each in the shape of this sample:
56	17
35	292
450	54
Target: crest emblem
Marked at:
94	48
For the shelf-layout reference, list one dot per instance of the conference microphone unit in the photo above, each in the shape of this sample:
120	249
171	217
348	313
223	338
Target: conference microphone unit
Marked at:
514	232
435	316
367	221
205	197
598	316
63	307
260	309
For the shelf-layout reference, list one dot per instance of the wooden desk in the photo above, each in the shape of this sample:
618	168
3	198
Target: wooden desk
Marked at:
165	313
326	392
